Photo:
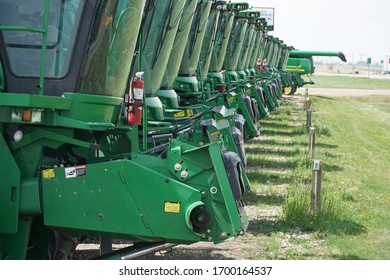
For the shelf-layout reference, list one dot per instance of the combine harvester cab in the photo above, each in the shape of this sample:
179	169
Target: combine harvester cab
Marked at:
242	70
160	65
216	76
301	63
271	75
196	91
166	93
203	122
250	85
285	76
71	162
156	38
246	106
265	72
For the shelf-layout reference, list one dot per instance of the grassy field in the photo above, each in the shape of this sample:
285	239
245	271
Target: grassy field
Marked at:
352	140
322	81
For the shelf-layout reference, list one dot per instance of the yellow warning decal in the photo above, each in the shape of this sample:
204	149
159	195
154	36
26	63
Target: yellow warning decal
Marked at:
172	207
179	114
190	112
48	173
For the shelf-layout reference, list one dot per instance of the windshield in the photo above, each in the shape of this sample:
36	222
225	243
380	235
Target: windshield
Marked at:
24	47
111	47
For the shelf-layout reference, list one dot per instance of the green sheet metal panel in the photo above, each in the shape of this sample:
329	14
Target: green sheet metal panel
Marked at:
9	190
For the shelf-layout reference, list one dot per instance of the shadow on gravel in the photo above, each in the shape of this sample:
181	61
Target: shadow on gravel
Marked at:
202	253
337	227
268	177
256	199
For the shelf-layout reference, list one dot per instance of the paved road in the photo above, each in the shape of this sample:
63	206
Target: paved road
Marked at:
343	92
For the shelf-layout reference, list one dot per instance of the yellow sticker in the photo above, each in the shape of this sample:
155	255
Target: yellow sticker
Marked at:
214	136
48	173
107	21
190	112
179	114
172	207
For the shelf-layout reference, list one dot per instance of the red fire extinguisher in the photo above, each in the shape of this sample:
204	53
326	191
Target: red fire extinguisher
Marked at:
136	94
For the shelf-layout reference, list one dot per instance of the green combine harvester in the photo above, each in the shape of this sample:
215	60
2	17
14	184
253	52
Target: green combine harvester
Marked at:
301	63
73	165
126	119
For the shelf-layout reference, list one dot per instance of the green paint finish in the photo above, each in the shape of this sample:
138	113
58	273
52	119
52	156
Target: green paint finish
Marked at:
80	198
251	90
268	96
246	48
236	42
14	246
306	53
208	44
186	84
190	60
85	203
300	65
35	101
30	203
9	190
179	45
100	108
224	30
161	22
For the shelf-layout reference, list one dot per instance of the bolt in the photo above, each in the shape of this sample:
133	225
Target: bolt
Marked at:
177	166
100	217
222	235
184	174
213	190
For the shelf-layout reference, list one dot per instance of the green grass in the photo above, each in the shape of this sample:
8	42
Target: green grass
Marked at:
352	140
324	81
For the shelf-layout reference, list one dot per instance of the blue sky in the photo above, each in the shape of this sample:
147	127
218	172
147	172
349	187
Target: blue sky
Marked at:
359	29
